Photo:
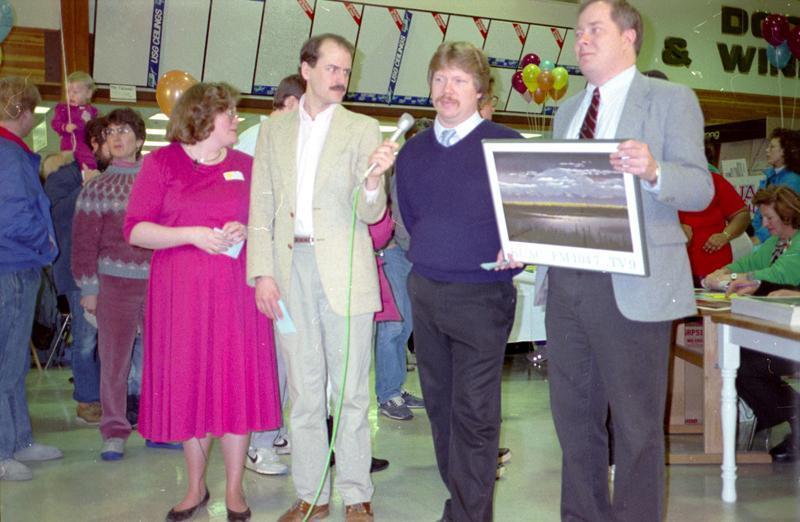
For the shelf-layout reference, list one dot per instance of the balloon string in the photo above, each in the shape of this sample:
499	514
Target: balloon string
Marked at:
794	101
780	97
64	74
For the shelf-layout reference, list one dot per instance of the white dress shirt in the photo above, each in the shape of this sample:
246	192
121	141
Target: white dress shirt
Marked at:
462	129
310	140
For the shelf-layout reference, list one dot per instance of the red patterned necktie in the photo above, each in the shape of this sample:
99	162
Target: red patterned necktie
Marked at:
590	120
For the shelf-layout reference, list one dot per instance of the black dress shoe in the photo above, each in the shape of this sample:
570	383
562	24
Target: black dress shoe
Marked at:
188	513
786	451
238	516
378	465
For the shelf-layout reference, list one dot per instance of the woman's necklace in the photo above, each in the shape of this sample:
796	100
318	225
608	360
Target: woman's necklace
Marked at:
214	158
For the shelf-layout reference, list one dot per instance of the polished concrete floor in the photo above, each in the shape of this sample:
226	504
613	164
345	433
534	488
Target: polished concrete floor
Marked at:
147	482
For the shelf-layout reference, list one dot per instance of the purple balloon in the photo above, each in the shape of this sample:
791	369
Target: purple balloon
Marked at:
518	83
775	29
530	58
794	41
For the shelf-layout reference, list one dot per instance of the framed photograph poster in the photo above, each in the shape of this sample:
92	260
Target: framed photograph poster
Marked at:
559	203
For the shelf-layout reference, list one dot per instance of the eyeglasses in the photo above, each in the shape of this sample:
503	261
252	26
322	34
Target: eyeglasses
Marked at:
494	100
116	131
232	114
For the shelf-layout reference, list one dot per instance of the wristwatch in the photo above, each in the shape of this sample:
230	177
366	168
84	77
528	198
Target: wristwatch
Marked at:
734	276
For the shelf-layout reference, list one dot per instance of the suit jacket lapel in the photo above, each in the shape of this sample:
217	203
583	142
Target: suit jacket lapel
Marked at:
635	111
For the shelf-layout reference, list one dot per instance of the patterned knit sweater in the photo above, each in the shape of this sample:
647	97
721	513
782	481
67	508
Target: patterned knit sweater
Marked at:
98	246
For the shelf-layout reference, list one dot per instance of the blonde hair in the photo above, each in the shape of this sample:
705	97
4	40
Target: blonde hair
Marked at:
192	118
81	77
16	96
468	58
53	162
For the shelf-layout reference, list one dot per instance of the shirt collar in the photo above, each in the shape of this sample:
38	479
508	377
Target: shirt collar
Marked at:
7	134
462	129
618	85
324	116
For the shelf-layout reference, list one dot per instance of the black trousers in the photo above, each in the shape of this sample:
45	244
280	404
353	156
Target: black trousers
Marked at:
460	332
759	382
600	362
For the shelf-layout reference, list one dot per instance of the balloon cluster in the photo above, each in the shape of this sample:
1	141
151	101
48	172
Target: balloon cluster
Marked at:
170	87
6	22
540	79
783	41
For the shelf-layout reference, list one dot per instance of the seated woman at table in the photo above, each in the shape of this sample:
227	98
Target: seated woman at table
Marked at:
775	264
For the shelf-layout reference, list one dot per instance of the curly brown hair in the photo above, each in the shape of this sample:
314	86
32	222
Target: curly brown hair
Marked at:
192	118
790	144
784	200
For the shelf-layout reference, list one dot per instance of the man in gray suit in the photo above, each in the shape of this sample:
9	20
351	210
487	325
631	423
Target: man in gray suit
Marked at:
608	334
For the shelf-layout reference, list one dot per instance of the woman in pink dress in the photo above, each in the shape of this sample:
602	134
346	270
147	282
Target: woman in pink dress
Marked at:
209	362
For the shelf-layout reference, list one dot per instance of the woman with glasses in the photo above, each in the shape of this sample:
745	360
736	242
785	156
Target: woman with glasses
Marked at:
111	274
209	362
783	156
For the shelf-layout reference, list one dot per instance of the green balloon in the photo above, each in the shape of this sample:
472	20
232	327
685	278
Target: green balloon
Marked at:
529	75
560	78
547	65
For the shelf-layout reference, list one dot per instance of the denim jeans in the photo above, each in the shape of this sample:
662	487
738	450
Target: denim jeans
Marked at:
17	304
392	336
85	361
135	375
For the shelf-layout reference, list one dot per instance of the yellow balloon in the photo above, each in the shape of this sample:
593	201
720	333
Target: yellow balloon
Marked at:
529	75
560	78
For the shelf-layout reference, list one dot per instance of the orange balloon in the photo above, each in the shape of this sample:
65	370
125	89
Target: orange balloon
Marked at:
539	95
170	87
557	94
545	80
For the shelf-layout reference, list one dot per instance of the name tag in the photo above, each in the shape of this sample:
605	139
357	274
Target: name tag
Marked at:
233	175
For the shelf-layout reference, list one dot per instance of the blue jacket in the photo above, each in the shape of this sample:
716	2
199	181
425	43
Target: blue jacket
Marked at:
63	187
784	177
27	238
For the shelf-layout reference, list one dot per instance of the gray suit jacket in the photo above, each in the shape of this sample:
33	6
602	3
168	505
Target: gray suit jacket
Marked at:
350	141
667	117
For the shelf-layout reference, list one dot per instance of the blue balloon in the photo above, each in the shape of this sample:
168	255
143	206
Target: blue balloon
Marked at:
779	55
6	19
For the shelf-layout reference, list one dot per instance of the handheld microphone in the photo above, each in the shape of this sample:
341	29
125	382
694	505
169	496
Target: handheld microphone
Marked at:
403	124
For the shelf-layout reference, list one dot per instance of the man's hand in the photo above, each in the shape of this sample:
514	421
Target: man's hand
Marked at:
634	157
383	159
506	262
715	242
209	240
267	297
742	287
89	303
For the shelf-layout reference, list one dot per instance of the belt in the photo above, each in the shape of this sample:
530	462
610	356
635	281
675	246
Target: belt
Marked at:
309	240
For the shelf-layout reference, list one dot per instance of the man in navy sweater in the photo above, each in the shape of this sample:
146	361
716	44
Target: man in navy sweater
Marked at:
462	314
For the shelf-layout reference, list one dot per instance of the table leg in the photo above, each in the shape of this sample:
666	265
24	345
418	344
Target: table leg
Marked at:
729	364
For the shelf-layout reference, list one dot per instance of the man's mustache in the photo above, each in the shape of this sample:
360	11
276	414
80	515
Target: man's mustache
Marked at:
339	87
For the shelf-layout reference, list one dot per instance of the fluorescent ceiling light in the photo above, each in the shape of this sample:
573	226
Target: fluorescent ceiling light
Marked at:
530	135
155	143
160	116
388	128
157	132
41	110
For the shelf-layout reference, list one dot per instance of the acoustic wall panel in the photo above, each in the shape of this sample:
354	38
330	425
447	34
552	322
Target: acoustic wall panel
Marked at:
183	37
287	24
424	37
466	29
122	50
504	43
342	18
379	44
231	55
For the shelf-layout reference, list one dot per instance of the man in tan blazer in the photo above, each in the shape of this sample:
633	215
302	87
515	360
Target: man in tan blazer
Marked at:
308	166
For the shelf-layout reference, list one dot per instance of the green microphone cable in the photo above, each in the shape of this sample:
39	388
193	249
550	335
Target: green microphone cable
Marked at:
338	408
